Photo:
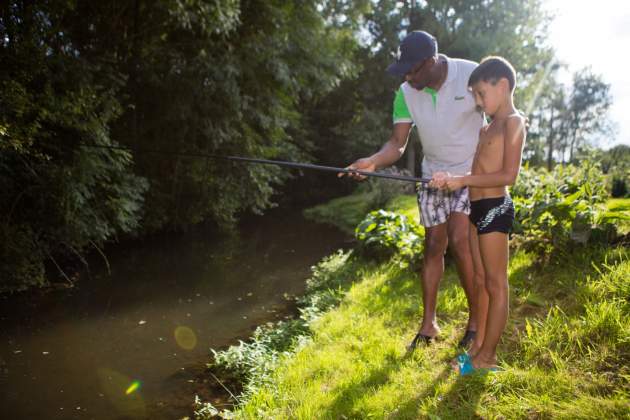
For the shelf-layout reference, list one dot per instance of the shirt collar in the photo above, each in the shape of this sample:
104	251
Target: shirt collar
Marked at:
452	71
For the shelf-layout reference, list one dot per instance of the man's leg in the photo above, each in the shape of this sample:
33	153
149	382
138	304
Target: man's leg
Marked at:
494	252
458	227
435	242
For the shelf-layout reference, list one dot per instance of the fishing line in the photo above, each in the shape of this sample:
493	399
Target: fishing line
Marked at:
269	162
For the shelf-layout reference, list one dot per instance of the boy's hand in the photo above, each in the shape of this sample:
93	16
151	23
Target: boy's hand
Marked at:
364	164
454	183
438	180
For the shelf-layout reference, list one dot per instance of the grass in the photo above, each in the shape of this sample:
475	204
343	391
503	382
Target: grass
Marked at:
343	212
619	204
565	351
347	212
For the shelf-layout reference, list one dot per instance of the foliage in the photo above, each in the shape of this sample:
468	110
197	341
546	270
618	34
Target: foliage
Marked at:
57	197
587	109
21	262
205	410
87	197
616	163
567	118
220	77
562	209
343	212
385	234
383	190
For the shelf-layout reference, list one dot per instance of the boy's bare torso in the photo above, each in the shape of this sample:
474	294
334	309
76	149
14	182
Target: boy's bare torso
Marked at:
489	157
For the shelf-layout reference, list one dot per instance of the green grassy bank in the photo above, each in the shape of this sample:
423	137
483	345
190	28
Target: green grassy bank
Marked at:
565	351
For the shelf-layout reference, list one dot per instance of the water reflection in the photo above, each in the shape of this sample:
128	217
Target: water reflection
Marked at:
78	353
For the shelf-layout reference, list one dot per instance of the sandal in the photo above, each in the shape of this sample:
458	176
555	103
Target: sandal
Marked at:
469	336
464	363
419	338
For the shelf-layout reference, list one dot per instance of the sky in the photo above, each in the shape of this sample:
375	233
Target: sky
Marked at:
597	34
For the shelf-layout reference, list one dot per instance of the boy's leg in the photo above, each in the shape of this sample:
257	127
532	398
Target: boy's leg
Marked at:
480	292
435	243
493	248
459	243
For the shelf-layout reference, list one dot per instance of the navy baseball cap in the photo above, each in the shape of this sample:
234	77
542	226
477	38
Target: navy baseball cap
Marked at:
417	46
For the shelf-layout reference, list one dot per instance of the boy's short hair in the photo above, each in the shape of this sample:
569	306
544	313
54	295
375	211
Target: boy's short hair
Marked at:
491	70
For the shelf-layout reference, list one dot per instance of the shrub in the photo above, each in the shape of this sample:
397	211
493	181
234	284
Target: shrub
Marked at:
562	209
619	187
382	190
22	260
384	234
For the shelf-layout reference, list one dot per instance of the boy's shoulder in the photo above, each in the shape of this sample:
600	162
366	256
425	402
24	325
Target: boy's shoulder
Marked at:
514	123
516	119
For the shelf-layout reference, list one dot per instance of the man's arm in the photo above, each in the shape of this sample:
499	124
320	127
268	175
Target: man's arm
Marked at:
389	153
394	148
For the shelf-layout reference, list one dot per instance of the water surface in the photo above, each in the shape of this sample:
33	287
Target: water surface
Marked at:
131	344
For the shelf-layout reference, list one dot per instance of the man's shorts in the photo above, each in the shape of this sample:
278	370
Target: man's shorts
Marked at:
437	205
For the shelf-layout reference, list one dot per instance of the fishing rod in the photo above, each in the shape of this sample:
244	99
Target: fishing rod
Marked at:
270	162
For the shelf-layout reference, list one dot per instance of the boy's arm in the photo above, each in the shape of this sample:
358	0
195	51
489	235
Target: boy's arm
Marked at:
514	137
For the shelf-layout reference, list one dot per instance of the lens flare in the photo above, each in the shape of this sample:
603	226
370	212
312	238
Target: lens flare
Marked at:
185	338
540	85
133	387
125	398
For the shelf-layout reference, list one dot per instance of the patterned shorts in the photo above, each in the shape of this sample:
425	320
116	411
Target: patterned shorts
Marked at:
437	205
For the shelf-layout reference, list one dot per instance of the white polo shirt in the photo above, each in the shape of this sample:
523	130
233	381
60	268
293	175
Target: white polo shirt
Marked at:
447	120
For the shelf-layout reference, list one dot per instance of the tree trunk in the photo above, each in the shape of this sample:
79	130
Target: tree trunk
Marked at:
411	156
550	142
572	145
133	74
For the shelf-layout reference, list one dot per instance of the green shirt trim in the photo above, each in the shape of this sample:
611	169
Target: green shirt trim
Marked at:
401	112
433	94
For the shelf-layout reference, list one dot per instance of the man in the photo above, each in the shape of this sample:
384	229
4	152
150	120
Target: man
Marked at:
435	98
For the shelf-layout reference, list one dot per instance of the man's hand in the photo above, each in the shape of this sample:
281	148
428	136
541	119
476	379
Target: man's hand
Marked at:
438	180
365	164
446	181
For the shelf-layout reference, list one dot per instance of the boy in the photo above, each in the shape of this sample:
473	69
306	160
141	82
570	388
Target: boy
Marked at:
495	167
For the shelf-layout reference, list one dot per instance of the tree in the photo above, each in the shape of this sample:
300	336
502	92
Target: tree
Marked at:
58	197
355	119
587	109
170	75
568	117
